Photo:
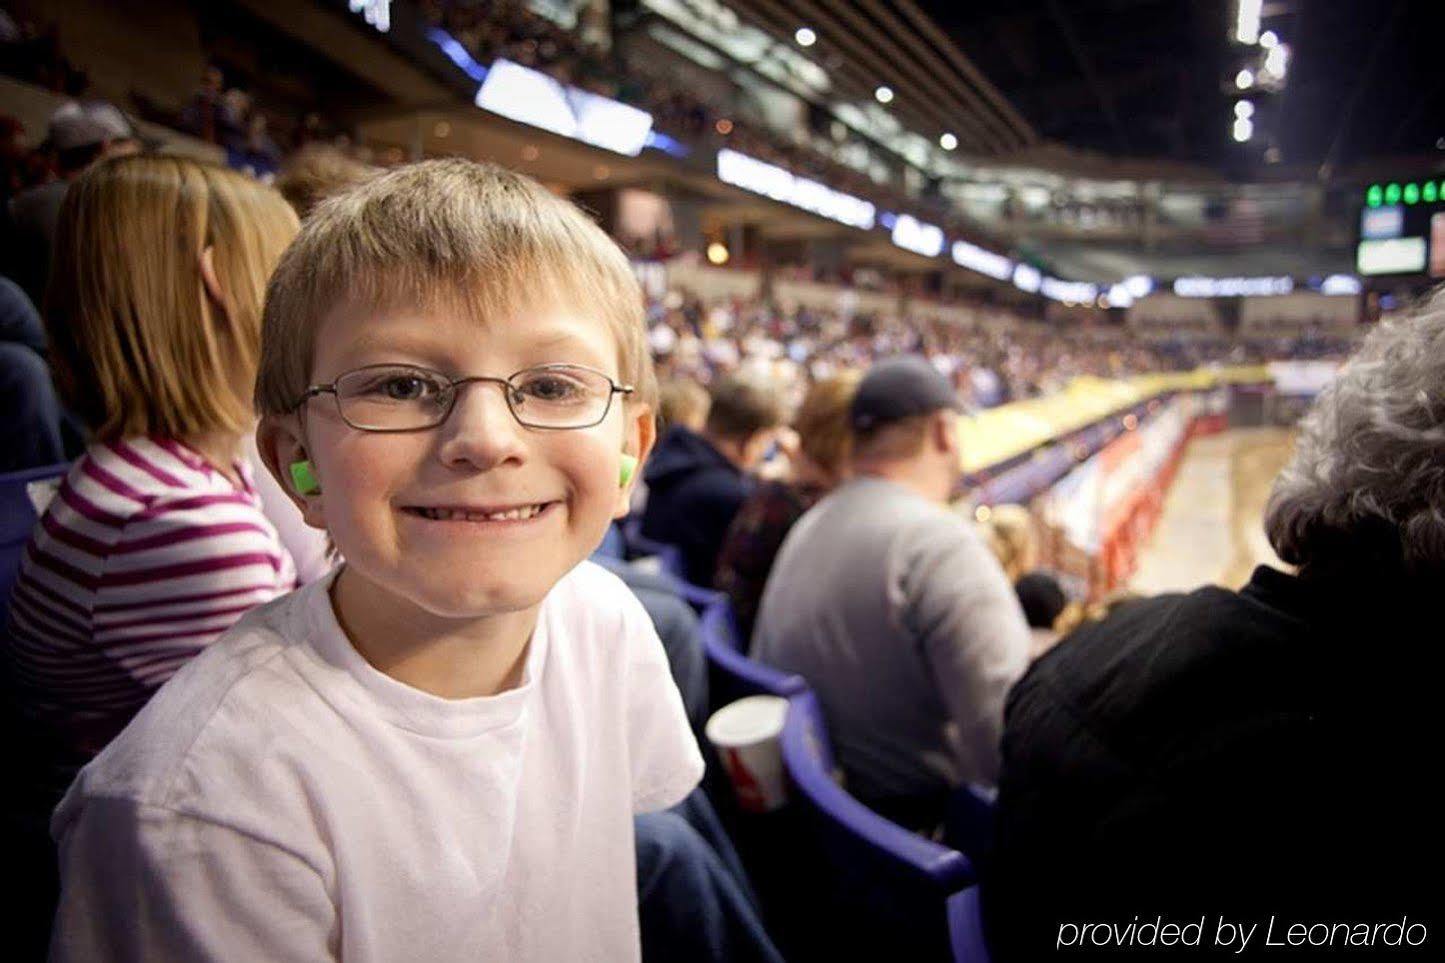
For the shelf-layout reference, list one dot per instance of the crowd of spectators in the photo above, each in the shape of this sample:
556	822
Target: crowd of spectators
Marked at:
1008	359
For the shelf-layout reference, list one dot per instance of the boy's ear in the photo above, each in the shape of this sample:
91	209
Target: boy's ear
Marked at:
639	434
279	440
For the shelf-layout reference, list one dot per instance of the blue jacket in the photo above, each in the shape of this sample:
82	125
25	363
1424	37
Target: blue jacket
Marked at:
693	493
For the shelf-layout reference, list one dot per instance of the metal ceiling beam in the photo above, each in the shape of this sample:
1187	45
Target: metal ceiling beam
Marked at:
982	104
859	54
930	30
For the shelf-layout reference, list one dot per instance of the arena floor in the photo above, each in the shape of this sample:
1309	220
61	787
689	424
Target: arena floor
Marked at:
1211	528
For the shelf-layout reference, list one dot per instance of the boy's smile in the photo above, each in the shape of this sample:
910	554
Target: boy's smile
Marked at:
479	515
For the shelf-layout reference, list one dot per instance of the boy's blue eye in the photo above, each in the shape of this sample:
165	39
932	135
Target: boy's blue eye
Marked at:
398	387
551	387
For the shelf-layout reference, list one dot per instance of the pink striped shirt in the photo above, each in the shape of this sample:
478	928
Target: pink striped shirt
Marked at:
145	555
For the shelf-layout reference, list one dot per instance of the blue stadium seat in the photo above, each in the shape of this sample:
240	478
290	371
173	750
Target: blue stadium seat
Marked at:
17	520
734	675
965	927
879	890
639	545
669	559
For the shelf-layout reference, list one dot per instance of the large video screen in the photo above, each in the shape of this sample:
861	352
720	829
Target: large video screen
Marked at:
1402	229
531	97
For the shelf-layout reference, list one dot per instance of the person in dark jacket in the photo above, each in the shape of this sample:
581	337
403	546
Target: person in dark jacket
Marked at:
1266	756
697	482
30	433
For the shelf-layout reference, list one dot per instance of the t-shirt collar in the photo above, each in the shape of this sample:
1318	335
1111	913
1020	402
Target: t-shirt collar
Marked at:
398	703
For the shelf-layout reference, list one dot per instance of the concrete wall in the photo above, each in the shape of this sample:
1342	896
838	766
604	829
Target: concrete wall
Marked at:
152	47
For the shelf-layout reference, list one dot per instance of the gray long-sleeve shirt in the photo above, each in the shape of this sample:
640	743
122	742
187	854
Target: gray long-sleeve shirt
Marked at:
904	624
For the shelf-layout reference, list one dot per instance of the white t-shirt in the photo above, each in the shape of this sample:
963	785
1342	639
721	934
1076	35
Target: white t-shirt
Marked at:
280	799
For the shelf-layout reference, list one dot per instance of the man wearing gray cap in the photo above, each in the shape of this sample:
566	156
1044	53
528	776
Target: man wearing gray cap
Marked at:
894	610
79	135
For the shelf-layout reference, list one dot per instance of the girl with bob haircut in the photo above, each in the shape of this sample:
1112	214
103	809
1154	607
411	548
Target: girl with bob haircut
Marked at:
156	540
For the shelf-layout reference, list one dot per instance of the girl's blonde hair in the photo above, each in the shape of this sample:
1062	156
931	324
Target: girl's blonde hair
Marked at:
138	346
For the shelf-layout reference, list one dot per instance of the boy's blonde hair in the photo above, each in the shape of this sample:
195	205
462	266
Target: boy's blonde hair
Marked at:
449	234
137	345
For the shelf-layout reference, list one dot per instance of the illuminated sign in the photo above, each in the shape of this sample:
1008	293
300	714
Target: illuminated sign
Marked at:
975	258
1411	193
1437	245
1340	284
1027	278
1138	285
1200	287
1396	255
754	175
375	12
1058	290
917	236
1382	222
530	97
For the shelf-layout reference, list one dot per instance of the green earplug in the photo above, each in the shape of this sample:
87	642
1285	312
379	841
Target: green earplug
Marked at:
303	477
629	465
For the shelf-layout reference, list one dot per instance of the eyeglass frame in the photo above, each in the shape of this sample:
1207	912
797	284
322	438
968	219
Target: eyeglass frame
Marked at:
454	386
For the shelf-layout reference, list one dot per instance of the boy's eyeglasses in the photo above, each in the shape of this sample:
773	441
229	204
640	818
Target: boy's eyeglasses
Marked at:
403	397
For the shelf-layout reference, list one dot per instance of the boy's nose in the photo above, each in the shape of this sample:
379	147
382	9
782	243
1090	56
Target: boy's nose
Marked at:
481	430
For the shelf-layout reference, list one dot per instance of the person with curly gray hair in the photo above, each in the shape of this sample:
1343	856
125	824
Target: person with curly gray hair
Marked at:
1263	756
1366	485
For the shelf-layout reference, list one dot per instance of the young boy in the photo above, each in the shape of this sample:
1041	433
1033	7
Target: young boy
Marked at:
435	752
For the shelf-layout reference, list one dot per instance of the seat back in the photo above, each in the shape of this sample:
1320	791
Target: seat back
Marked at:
17	521
965	927
876	888
732	675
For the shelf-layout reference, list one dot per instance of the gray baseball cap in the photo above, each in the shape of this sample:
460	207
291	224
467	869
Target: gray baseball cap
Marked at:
900	388
77	124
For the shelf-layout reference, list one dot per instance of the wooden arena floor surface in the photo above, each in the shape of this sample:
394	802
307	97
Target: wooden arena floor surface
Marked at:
1211	529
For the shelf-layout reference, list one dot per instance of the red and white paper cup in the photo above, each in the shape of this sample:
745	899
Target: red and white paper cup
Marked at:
746	735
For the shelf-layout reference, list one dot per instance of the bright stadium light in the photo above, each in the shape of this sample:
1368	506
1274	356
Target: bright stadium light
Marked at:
1243	109
1246	21
1244	79
1139	285
948	142
375	12
884	94
805	37
1243	129
1276	61
1269	40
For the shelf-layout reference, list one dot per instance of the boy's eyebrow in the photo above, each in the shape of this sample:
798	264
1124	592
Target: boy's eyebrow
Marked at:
562	339
426	347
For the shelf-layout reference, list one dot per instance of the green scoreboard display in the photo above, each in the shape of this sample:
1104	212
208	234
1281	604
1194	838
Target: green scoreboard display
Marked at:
1402	229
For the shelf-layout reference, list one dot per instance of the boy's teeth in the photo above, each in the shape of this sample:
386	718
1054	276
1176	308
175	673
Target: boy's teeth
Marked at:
514	514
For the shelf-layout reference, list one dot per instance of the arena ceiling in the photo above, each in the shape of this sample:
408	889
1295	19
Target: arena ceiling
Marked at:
1153	78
